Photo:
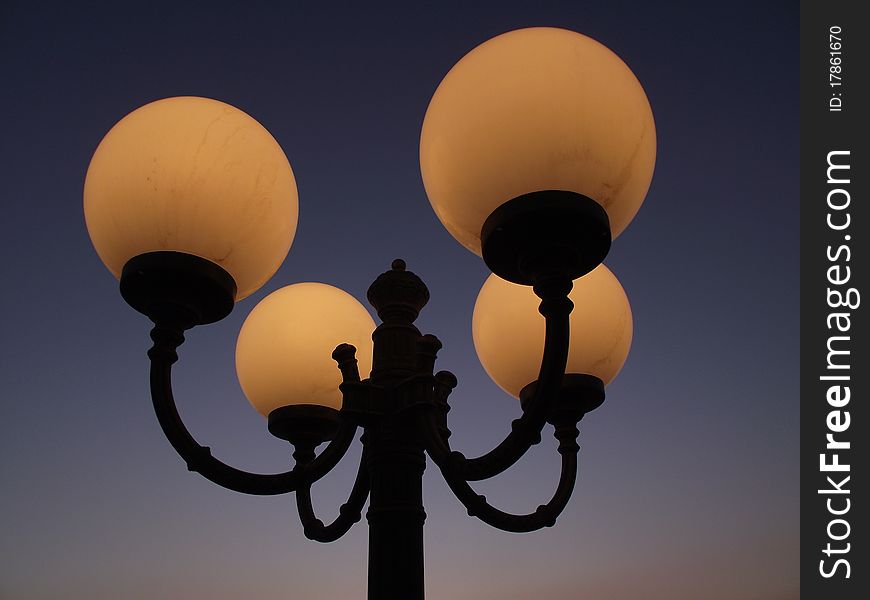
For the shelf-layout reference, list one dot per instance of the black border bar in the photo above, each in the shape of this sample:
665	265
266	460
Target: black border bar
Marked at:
835	369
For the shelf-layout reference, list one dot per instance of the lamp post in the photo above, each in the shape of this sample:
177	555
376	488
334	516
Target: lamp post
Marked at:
536	150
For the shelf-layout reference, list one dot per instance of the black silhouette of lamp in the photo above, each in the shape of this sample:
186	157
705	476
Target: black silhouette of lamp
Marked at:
537	149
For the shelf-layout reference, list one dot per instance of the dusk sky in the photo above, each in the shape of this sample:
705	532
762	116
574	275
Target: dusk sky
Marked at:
688	481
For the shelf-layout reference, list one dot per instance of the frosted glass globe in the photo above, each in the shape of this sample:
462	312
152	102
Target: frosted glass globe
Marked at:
508	330
284	350
530	110
197	176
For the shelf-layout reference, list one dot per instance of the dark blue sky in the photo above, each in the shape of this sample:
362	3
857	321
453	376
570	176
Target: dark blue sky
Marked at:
689	472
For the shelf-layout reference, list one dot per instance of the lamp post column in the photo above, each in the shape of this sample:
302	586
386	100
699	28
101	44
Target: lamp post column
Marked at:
395	516
396	459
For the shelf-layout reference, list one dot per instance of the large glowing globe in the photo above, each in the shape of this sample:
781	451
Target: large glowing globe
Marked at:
530	110
197	176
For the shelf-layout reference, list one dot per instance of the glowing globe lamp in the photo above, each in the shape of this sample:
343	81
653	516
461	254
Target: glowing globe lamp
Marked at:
193	176
535	110
283	354
508	330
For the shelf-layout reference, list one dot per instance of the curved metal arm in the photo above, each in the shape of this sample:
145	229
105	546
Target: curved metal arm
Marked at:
167	339
349	514
545	515
525	431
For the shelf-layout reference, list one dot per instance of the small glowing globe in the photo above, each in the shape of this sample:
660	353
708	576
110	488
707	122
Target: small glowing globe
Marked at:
284	350
508	330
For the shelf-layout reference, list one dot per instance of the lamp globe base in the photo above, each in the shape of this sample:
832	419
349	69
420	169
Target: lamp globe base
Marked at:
177	287
306	426
579	395
545	233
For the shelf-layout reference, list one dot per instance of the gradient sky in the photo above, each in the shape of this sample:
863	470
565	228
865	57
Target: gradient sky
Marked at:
688	484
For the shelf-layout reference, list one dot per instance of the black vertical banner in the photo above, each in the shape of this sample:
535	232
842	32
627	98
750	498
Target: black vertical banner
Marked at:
835	369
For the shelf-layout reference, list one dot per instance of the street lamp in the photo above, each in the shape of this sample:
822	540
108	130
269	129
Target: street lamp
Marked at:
537	149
